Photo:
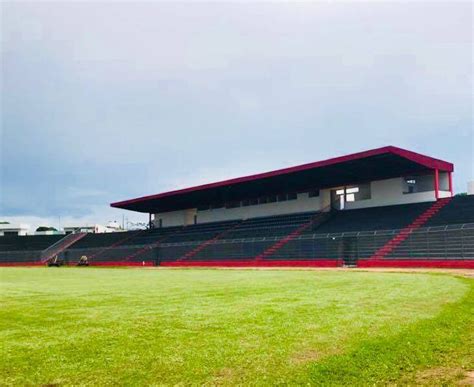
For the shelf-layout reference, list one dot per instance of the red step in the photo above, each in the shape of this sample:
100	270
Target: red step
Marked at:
282	242
404	233
200	247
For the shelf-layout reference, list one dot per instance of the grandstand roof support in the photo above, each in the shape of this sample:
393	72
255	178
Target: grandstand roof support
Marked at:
436	184
375	164
450	179
150	223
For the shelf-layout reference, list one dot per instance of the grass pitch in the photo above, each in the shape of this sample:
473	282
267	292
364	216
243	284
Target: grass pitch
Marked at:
74	326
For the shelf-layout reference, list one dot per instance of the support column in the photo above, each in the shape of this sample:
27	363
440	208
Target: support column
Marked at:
150	225
450	177
436	184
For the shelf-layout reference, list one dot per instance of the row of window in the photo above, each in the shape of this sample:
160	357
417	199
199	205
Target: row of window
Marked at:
256	201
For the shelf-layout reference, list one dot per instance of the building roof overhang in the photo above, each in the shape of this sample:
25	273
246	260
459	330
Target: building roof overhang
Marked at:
375	164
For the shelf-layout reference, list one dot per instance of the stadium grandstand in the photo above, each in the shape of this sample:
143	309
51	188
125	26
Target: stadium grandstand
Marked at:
386	207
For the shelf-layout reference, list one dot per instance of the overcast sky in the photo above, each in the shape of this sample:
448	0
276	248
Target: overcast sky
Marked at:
106	101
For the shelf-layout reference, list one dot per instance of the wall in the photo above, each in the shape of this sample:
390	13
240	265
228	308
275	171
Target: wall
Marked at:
383	193
303	203
390	192
19	231
170	219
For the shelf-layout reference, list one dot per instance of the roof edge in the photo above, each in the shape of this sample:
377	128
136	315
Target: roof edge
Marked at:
427	161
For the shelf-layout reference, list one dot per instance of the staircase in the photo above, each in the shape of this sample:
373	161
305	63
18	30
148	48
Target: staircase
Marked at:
60	246
146	248
117	243
151	246
318	219
203	245
404	233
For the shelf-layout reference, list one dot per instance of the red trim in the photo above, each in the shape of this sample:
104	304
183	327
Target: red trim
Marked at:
436	183
422	262
363	263
426	161
254	263
450	177
122	263
418	222
112	263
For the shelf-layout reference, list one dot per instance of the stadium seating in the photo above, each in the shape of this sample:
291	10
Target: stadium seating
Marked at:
29	242
25	248
376	218
458	211
350	234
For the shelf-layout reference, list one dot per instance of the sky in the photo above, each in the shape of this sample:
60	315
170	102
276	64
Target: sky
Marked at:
105	101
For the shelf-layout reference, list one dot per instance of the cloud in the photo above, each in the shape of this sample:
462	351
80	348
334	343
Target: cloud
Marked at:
106	101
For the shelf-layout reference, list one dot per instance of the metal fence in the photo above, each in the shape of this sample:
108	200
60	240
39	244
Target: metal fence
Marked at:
442	242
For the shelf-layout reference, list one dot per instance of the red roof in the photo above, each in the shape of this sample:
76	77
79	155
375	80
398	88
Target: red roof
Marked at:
422	161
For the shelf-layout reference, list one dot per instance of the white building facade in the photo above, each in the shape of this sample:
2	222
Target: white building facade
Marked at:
379	177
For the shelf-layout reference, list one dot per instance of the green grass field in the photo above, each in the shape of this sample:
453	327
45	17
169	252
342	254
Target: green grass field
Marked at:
78	326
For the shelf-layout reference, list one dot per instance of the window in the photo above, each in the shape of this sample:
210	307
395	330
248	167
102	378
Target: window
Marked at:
360	192
422	183
350	194
410	186
313	194
281	197
292	196
353	193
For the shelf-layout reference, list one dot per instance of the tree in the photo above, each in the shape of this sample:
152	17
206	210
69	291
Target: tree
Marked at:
45	228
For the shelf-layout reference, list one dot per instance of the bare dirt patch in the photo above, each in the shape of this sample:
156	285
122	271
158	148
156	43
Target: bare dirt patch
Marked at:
468	380
445	375
223	376
306	357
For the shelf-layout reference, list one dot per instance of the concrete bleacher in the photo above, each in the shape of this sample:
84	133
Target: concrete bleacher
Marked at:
29	242
458	211
357	233
375	218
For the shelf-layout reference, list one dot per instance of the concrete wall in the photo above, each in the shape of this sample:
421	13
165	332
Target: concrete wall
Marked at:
172	218
390	192
383	193
303	203
21	230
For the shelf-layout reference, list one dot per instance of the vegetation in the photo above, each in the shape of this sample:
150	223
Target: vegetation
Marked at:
91	326
46	228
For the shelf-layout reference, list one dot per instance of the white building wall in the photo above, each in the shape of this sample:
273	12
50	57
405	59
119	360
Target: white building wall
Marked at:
390	192
21	229
383	193
171	219
303	203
